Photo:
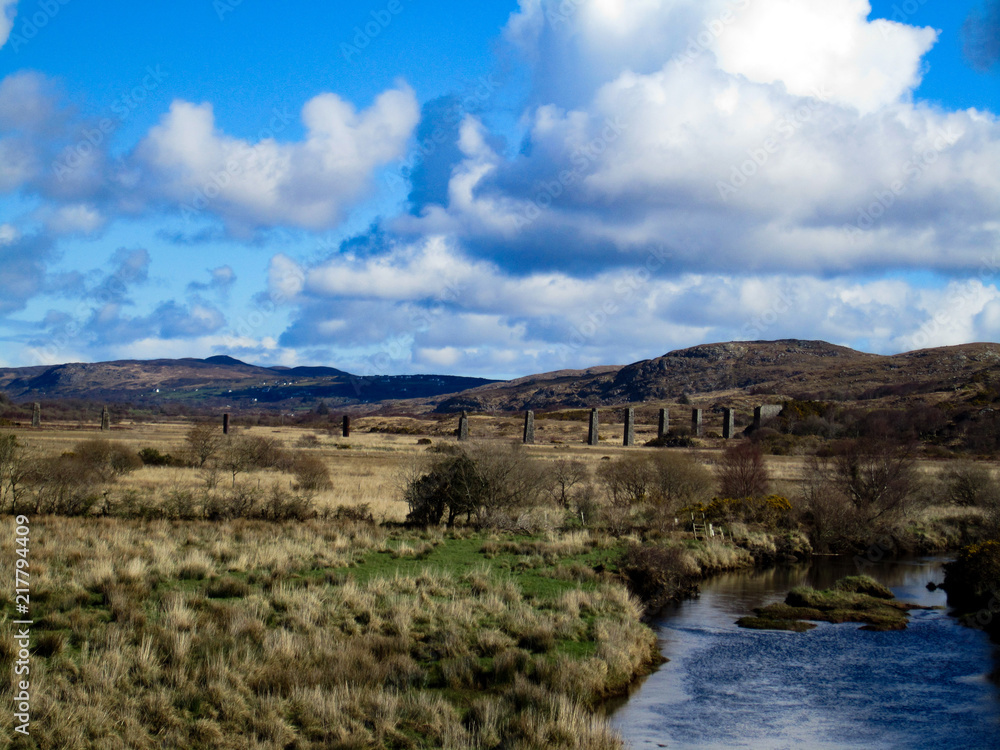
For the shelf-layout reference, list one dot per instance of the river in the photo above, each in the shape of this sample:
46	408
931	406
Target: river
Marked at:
832	687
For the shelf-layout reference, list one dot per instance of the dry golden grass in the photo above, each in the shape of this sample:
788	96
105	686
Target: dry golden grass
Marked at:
252	635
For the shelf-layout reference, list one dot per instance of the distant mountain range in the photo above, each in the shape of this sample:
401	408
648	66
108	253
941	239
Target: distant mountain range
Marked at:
219	381
737	372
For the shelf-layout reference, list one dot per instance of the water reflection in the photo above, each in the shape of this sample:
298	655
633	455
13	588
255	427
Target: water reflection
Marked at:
833	687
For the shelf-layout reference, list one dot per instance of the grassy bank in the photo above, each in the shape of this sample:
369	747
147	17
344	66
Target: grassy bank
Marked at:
254	635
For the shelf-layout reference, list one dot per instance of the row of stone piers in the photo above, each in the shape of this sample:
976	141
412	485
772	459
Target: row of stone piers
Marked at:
762	415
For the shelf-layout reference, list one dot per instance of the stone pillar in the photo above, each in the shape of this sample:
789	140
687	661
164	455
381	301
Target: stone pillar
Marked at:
36	415
664	429
592	437
629	439
225	424
529	428
105	420
463	427
347	426
696	422
728	423
764	414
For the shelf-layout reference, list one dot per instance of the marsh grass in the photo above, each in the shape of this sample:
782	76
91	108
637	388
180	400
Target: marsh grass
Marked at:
243	634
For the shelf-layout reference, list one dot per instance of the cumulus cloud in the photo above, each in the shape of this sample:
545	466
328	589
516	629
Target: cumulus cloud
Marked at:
186	160
427	306
802	152
817	45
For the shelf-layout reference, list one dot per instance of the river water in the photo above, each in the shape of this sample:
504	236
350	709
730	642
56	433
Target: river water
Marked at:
832	687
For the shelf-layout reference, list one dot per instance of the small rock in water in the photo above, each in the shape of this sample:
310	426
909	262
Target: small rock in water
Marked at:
932	586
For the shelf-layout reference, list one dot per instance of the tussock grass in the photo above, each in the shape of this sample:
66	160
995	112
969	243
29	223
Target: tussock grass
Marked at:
244	634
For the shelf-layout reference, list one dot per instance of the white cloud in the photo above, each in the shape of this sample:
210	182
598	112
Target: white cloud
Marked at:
8	10
817	45
310	184
736	153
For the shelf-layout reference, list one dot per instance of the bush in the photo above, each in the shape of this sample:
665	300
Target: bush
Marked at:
655	573
152	457
627	481
486	483
679	480
742	472
109	459
973	579
971	485
311	473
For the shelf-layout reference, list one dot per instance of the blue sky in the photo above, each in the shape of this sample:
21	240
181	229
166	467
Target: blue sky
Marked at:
494	189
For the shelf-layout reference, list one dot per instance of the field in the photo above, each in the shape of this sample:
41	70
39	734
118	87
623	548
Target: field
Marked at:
332	632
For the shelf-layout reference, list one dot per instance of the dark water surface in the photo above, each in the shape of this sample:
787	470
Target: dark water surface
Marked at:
832	687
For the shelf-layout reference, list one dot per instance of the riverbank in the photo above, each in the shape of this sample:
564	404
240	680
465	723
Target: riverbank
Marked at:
973	585
836	686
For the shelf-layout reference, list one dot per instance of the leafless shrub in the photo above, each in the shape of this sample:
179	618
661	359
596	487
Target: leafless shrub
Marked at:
15	468
972	485
878	477
204	441
742	472
627	481
565	480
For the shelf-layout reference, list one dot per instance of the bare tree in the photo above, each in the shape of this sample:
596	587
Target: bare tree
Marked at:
742	472
204	441
627	481
241	452
14	469
564	477
971	484
878	476
679	480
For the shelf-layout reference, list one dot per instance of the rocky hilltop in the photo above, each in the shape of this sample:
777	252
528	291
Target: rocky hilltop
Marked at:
782	368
